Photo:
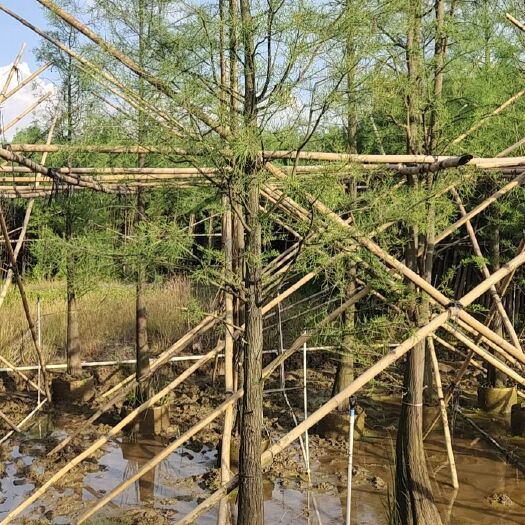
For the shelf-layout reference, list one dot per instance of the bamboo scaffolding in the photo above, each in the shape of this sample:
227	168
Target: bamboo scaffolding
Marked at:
493	292
401	268
12	70
25	224
268	370
60	177
25	113
27	311
482	206
131	382
104	439
87	64
352	388
502	289
27	81
444	416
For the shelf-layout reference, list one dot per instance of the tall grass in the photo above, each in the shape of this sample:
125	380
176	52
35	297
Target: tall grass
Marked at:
106	318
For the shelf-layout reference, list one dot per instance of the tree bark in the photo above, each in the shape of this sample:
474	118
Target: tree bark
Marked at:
141	319
73	345
413	491
250	504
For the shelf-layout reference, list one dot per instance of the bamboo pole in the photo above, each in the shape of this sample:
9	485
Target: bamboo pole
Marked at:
487	356
493	292
12	70
91	67
510	149
352	388
29	110
131	382
20	374
227	231
444	416
25	304
60	177
485	204
10	424
297	345
104	439
27	81
25	224
24	421
494	113
448	346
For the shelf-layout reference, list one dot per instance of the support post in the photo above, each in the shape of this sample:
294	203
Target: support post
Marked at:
444	416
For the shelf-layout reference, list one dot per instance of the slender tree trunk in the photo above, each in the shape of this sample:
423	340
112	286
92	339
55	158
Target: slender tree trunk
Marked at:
345	367
250	505
141	319
73	346
495	378
414	499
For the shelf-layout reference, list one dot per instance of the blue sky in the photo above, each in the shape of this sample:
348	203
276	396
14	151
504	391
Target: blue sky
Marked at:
13	34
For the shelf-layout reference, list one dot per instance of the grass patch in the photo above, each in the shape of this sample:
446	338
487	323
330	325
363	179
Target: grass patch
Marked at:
106	317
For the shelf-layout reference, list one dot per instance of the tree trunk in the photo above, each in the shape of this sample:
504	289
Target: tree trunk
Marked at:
141	321
73	346
413	491
250	504
495	378
345	367
414	500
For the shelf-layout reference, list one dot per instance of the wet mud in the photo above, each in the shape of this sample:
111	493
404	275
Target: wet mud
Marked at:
491	492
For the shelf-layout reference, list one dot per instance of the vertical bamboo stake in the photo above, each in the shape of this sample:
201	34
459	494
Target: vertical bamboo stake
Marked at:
228	359
12	259
444	416
351	410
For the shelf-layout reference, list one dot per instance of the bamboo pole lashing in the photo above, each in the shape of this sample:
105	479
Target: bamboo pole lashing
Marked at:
352	388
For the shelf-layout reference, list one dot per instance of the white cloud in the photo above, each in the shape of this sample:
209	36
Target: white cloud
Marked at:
22	100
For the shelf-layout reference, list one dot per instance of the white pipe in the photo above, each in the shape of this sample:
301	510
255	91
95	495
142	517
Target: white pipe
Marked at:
350	461
178	359
305	404
39	328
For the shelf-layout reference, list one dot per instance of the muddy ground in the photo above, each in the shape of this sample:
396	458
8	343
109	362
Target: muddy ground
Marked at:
491	490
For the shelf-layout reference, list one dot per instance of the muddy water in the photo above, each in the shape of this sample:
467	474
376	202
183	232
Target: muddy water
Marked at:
180	482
